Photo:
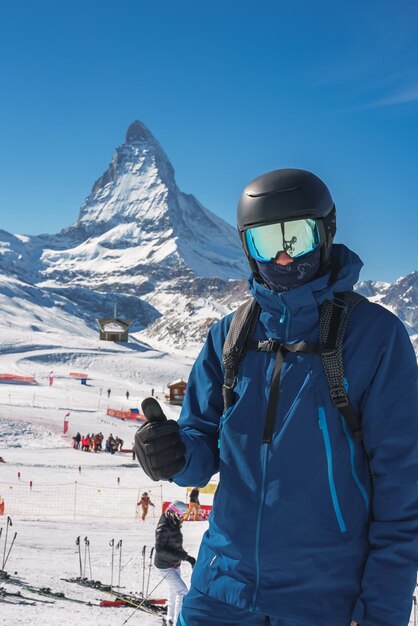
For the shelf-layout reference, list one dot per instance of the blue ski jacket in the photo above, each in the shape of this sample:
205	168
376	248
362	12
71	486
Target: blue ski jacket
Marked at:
299	530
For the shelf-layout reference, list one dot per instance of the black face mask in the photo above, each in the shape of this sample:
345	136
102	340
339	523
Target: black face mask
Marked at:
284	277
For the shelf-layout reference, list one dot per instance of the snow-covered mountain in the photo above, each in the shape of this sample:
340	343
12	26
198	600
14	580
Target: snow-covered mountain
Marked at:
140	243
168	263
400	297
136	226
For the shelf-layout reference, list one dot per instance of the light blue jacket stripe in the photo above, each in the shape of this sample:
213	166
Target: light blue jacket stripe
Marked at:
181	620
353	469
324	428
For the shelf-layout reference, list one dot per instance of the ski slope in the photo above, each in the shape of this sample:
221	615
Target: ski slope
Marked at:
80	494
35	449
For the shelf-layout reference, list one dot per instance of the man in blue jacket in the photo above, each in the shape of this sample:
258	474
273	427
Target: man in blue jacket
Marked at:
310	526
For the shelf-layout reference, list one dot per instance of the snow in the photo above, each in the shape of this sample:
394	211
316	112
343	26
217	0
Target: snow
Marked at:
77	493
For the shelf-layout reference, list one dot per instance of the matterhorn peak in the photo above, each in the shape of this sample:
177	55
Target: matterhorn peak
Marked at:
139	173
136	208
138	132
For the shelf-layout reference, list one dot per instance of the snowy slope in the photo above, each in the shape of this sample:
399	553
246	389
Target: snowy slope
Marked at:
33	445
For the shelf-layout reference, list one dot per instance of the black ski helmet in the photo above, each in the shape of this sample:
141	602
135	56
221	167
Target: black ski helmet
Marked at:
287	195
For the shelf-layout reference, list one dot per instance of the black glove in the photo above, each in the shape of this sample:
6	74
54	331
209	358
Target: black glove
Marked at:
191	560
158	446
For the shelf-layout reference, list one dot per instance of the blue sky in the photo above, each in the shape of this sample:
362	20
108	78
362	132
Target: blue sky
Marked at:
231	89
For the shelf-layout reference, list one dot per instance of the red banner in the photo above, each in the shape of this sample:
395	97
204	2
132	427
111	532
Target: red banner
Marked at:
204	511
126	415
65	425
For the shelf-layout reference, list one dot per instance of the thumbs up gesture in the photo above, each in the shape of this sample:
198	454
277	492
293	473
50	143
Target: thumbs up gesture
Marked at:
158	446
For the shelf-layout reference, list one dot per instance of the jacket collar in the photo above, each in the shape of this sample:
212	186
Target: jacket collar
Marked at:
293	315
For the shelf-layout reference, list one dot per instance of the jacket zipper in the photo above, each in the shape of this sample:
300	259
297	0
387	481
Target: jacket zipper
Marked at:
322	421
264	452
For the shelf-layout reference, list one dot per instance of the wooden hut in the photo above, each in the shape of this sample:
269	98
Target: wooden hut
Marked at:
113	329
176	391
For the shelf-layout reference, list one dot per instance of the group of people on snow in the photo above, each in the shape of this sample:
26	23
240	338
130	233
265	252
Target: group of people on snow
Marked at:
94	443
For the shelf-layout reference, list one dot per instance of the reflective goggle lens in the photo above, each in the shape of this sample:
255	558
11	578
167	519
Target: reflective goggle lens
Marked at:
296	238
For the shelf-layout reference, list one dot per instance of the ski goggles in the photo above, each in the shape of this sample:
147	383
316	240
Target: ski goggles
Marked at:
295	238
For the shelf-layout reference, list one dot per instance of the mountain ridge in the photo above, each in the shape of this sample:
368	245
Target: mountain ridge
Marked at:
140	242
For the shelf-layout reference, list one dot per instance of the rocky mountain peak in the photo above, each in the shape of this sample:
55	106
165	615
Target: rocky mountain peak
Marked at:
138	132
137	222
139	176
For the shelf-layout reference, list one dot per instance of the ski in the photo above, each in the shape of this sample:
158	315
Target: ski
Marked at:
154	601
4	593
45	591
97	584
113	603
16	601
137	602
57	595
84	582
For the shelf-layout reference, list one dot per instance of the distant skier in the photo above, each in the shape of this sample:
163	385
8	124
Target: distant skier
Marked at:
127	395
169	554
99	441
144	504
77	440
111	444
108	393
194	505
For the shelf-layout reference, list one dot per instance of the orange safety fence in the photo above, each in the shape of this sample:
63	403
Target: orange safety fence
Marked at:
16	378
126	415
78	375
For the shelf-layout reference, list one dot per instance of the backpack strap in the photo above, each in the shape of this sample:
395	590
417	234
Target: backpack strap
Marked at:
333	322
235	346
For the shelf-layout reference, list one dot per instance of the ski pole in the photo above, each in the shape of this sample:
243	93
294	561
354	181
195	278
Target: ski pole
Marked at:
112	544
144	549
119	547
10	549
77	543
152	591
88	550
149	568
85	556
9	522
